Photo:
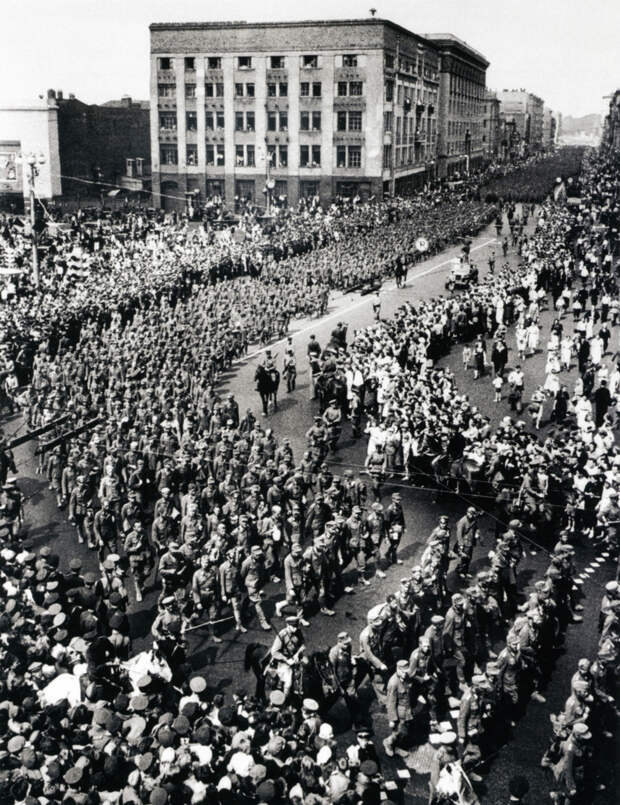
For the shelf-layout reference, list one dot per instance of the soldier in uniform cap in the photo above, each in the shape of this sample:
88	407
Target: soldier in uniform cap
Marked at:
231	584
467	535
399	707
457	637
286	652
424	674
471	725
344	667
138	553
295	581
78	504
254	576
372	655
206	593
570	771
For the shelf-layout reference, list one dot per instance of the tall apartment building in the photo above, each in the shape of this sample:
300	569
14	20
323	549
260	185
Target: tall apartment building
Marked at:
328	107
525	111
549	130
462	94
491	129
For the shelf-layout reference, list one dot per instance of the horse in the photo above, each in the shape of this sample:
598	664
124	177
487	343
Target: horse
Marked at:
267	380
313	677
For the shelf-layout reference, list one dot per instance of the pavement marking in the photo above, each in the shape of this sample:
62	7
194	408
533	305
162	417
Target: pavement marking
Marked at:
363	301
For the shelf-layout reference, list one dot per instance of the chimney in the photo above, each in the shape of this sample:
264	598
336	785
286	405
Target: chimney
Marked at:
51	94
59	94
71	96
126	101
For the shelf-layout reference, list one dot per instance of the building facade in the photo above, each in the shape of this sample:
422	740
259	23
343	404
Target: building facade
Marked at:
611	124
97	139
462	95
524	110
549	131
491	129
346	107
28	129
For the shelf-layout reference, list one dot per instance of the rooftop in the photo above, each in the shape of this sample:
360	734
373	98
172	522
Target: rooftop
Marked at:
369	21
451	39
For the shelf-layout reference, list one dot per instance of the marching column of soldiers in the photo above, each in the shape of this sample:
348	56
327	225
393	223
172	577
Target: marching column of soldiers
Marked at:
587	720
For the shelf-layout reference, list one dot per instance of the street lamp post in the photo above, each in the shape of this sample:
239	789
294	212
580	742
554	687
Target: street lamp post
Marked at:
270	182
31	160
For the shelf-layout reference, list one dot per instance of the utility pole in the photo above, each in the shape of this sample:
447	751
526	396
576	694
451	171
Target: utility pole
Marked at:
33	172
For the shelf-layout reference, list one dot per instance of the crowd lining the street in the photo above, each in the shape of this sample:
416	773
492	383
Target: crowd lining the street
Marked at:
178	486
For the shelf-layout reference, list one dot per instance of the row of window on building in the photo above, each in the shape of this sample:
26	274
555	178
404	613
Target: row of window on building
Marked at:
308	61
404	155
346	120
347	156
247	89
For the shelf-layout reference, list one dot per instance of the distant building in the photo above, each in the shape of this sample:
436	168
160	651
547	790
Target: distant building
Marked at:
491	134
549	137
96	140
29	128
462	102
611	124
525	111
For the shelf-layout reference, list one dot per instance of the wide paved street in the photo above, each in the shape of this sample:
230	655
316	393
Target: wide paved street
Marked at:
224	664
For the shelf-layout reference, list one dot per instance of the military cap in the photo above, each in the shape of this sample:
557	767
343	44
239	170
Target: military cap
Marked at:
612	586
16	744
145	761
73	775
90	578
437	620
447	738
165	737
181	725
311	705
75	564
226	716
29	758
276	698
202	735
197	684
478	679
369	768
159	796
266	791
402	665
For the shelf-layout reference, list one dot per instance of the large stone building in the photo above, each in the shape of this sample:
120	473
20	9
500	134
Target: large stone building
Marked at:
524	110
328	107
25	129
491	129
462	95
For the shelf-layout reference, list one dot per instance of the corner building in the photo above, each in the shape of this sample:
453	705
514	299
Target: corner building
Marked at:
328	107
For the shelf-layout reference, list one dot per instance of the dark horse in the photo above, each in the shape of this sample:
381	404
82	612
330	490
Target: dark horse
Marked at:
314	677
267	380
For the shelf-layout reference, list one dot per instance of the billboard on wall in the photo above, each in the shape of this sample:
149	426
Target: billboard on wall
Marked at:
10	169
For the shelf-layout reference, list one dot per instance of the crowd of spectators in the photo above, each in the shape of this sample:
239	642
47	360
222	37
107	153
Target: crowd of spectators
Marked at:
177	484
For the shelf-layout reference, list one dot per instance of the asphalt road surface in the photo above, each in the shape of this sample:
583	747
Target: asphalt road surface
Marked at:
223	664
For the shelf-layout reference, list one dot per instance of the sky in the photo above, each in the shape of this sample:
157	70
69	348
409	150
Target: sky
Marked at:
565	51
